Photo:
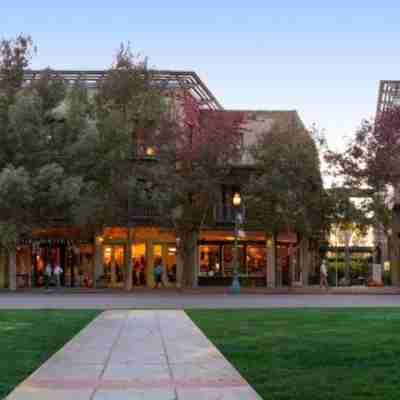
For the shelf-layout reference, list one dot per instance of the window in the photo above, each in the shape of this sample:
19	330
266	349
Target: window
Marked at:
228	260
209	261
256	257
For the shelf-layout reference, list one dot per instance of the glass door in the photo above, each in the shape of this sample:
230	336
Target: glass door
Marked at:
139	264
114	261
170	264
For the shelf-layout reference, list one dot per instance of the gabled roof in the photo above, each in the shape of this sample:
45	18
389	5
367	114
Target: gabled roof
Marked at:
181	79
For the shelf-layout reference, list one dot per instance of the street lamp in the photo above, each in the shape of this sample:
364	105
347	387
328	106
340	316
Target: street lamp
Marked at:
150	152
236	201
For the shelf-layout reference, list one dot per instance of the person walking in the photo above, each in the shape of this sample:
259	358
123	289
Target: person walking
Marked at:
57	273
323	275
158	274
48	272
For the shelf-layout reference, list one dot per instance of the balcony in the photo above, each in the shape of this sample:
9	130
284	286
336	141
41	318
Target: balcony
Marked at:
225	215
144	214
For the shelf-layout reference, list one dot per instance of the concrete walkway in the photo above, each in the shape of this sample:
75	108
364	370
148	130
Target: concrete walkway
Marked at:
160	300
132	355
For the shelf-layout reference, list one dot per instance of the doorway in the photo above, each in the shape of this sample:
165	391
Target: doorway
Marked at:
113	265
139	264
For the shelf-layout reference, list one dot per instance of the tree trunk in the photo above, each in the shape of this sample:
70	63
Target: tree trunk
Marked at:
395	241
12	257
179	269
3	267
292	256
189	259
347	260
128	262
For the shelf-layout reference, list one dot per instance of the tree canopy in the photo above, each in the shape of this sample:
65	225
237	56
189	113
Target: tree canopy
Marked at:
285	193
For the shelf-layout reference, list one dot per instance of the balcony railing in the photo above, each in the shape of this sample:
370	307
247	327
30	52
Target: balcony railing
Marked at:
144	213
225	214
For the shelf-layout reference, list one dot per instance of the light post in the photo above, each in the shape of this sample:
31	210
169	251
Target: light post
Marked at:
141	212
236	201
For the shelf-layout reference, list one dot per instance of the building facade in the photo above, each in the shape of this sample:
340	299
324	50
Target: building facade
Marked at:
106	259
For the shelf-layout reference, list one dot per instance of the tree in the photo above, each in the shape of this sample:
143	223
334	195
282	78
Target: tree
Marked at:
370	164
346	219
196	150
123	118
285	192
37	184
15	55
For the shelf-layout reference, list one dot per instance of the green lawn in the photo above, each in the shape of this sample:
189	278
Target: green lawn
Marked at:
311	354
28	338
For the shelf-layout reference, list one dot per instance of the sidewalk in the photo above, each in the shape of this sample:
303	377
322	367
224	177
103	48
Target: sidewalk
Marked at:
163	300
345	290
137	355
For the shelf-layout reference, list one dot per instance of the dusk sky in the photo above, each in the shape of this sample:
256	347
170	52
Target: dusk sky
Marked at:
323	60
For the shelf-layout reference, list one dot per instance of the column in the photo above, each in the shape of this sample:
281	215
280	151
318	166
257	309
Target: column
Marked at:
128	262
195	256
305	261
12	255
271	262
150	264
113	271
98	263
164	254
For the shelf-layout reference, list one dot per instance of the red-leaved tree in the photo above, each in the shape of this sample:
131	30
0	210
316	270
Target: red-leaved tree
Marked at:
371	163
196	150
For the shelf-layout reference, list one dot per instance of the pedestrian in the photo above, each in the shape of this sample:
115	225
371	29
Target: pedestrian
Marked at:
48	272
323	275
57	273
158	273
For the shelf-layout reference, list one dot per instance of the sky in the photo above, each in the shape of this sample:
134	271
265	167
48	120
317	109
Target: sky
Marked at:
322	58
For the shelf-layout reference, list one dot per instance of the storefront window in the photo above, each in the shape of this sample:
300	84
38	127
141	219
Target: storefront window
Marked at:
283	265
139	264
171	264
113	261
209	261
228	260
256	260
86	265
24	266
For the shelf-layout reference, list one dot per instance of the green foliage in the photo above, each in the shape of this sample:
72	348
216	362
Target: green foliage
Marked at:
344	214
38	182
285	193
8	235
121	120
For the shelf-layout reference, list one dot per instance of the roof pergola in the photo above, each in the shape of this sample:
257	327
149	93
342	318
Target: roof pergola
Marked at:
188	80
388	95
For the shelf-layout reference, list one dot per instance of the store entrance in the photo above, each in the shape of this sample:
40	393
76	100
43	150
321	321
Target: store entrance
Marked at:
49	254
113	265
166	254
283	277
76	262
139	264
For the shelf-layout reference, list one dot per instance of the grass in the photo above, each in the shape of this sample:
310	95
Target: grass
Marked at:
310	353
28	338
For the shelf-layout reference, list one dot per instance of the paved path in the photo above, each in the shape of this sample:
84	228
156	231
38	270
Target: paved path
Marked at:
180	301
148	355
